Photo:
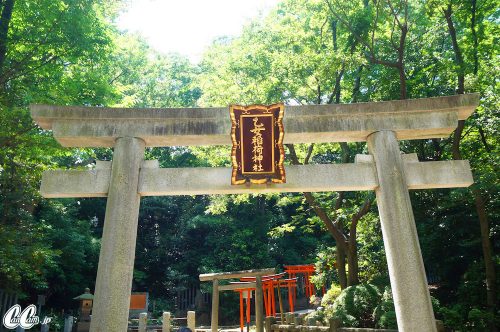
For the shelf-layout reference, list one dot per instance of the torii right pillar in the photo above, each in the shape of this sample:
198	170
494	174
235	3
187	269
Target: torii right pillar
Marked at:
404	259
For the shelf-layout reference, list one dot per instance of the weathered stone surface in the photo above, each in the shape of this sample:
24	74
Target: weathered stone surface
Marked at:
71	183
410	119
116	260
214	320
259	305
438	174
236	286
404	259
103	164
215	180
236	274
143	321
191	320
166	322
68	325
150	163
211	180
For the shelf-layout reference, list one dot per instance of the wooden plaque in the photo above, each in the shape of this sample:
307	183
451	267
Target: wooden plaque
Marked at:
257	135
138	301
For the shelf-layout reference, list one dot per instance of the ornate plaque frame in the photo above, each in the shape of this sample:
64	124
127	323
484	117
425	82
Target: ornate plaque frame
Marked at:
257	134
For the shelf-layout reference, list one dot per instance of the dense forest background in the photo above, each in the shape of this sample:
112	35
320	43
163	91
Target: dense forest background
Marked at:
70	52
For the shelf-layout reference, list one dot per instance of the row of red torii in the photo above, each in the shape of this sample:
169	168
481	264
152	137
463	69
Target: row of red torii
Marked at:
264	282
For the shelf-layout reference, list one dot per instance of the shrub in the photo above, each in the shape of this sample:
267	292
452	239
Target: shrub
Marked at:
316	315
355	306
460	318
480	320
331	295
453	317
384	314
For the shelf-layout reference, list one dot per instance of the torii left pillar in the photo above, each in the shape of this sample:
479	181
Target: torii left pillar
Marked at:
116	260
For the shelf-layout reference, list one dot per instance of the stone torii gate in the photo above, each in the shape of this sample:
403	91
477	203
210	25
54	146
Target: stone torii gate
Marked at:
385	170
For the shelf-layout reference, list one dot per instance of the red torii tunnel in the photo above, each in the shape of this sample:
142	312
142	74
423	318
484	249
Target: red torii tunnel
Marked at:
270	283
307	270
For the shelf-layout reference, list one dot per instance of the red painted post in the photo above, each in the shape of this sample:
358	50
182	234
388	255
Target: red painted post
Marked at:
269	298
242	323
265	299
273	299
249	292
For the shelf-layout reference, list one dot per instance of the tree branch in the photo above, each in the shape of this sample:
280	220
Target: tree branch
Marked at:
394	14
332	228
309	153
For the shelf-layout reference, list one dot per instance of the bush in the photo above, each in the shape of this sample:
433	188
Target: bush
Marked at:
331	295
385	314
460	318
355	306
326	302
480	320
453	317
316	315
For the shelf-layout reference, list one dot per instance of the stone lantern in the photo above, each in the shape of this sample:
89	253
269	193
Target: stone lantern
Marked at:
86	300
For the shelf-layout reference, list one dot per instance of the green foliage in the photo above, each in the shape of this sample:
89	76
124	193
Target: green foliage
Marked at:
70	52
317	315
331	295
145	78
325	270
460	319
384	314
355	305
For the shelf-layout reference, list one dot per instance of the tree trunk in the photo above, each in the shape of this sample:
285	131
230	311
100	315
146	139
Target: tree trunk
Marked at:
336	90
457	136
330	226
339	74
341	270
402	82
7	9
401	62
357	85
352	258
487	252
459	60
483	139
334	34
475	42
335	232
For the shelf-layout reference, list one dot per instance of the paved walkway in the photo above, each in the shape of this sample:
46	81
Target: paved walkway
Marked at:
236	328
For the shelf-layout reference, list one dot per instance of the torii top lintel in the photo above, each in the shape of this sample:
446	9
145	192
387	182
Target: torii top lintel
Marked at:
77	126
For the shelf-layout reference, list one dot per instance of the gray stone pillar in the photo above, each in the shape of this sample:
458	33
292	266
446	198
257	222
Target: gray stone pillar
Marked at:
68	324
166	322
191	320
214	322
259	305
116	260
143	321
406	268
